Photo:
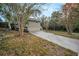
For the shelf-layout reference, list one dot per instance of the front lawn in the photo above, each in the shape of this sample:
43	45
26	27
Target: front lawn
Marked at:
12	44
62	33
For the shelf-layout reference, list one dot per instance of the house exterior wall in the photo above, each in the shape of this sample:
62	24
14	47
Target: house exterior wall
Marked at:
34	26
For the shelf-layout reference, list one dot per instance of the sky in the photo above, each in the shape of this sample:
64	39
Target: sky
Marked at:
51	7
48	9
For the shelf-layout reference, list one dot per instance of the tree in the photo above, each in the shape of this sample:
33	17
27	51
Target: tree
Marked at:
55	19
43	18
7	12
75	18
68	18
1	8
23	11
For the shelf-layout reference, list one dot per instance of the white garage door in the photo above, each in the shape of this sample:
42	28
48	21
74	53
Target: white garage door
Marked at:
33	26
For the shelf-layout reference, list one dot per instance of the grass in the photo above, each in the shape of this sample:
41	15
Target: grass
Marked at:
62	33
13	45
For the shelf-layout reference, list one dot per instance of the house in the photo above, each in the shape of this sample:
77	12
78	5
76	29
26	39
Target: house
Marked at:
34	25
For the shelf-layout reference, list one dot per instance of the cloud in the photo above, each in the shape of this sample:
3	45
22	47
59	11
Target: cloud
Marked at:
49	8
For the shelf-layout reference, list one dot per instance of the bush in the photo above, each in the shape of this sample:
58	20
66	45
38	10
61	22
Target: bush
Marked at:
4	24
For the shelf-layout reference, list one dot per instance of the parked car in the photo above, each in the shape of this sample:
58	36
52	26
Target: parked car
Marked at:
25	29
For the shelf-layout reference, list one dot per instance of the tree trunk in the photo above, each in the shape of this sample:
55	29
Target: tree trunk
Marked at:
21	26
46	26
54	26
9	25
68	23
71	24
70	29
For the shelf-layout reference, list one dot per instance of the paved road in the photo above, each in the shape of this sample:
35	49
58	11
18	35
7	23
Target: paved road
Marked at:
65	42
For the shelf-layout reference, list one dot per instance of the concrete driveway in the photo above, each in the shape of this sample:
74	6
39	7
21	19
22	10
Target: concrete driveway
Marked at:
69	43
